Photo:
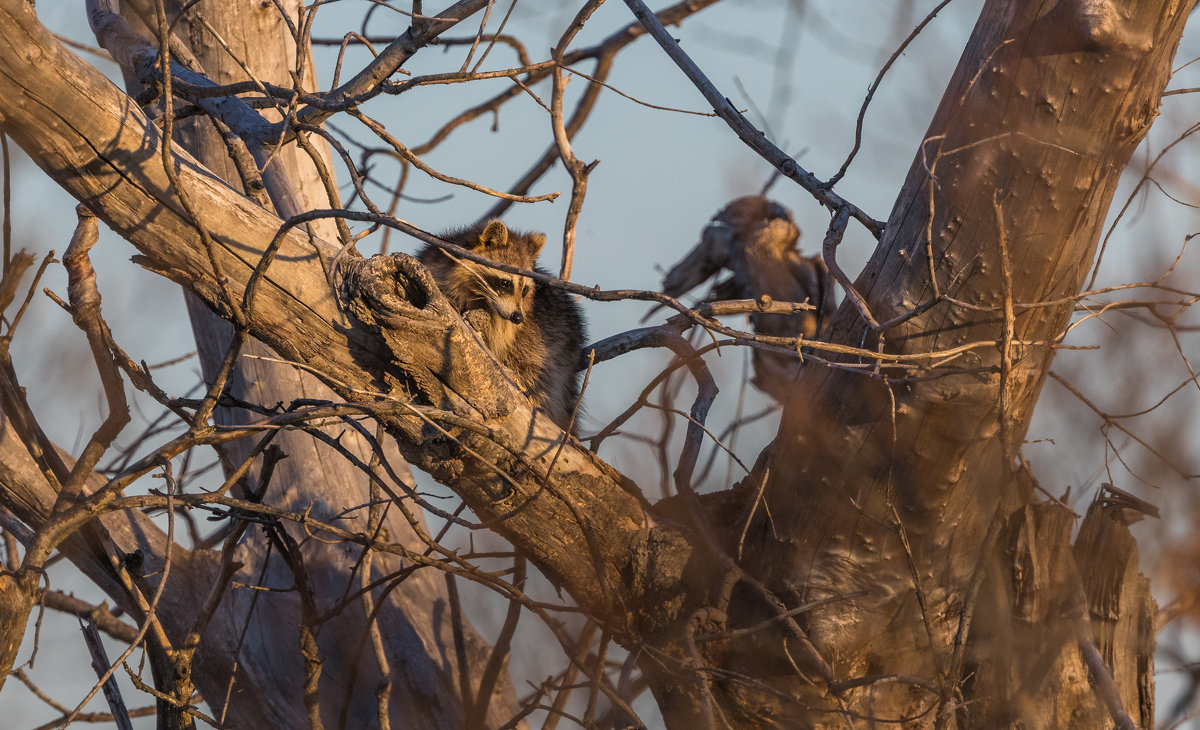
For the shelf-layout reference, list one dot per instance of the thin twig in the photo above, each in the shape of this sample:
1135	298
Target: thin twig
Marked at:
747	132
112	693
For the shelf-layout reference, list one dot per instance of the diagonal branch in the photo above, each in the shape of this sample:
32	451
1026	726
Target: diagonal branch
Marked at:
390	344
746	131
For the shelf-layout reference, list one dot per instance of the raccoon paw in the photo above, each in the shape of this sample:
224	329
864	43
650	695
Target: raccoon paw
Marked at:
477	318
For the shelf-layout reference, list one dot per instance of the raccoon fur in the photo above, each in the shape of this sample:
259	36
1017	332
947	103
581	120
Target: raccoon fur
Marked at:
535	331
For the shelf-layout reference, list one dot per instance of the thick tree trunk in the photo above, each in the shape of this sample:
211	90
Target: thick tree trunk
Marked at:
883	484
418	643
423	677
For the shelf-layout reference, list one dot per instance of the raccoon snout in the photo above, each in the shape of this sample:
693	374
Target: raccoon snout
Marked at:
516	318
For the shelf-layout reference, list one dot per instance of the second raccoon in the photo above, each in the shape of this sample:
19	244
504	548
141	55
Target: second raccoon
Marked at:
534	330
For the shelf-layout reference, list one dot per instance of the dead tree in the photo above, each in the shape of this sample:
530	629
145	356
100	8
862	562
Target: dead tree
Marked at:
887	559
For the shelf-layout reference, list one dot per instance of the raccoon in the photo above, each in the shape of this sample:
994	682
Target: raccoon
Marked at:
535	331
755	239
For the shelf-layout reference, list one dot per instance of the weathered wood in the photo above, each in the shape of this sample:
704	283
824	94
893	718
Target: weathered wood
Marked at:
580	523
1122	611
1022	662
1047	612
881	496
424	675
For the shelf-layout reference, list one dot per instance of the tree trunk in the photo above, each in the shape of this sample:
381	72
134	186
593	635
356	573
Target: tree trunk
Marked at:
421	678
884	481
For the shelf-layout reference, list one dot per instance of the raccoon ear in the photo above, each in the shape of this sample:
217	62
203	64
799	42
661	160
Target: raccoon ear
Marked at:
538	240
494	235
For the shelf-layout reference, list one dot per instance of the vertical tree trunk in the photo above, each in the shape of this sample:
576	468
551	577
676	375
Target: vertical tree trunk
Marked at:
883	484
422	685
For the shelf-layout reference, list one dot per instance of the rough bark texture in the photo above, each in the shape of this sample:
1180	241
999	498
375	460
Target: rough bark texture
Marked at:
889	487
585	528
895	499
418	640
1043	600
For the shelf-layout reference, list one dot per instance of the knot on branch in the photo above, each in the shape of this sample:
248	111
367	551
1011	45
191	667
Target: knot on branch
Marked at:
385	290
82	290
428	347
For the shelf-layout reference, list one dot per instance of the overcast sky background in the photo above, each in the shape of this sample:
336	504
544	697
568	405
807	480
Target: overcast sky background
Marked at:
661	176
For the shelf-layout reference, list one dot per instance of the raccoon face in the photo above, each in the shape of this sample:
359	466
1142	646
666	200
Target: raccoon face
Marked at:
508	296
471	286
